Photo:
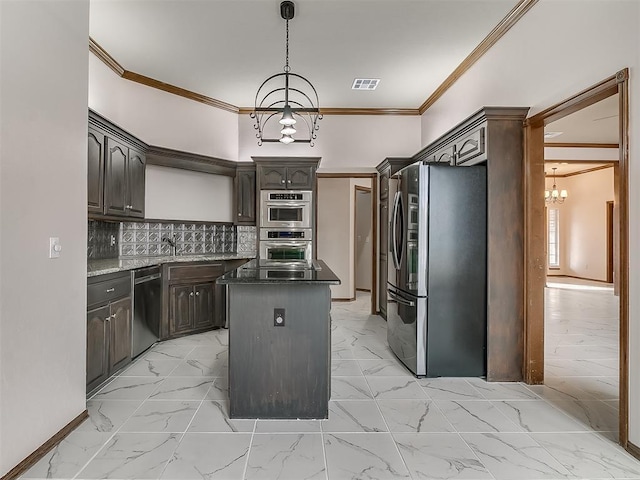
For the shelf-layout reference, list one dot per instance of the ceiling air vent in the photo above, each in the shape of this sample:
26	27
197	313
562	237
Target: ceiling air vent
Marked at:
365	83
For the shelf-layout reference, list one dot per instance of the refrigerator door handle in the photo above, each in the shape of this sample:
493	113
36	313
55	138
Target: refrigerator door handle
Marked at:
400	300
394	219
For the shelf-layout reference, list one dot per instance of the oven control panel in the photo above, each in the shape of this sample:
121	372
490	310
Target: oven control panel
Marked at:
285	234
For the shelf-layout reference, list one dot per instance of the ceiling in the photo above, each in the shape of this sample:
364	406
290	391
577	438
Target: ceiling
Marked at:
225	49
597	123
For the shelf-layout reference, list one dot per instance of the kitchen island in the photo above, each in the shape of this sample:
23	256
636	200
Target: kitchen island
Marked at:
279	339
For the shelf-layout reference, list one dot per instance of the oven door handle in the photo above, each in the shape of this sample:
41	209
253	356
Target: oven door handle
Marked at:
401	300
286	204
287	244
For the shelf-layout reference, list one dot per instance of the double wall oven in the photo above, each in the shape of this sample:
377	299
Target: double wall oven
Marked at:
286	229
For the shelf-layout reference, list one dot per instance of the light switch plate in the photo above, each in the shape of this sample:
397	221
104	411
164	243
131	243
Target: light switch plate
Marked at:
55	249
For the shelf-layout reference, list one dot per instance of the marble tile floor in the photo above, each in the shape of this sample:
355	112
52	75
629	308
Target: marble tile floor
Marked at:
166	415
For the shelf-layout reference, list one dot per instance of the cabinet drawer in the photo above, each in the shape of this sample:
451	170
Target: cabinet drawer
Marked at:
188	272
102	292
471	147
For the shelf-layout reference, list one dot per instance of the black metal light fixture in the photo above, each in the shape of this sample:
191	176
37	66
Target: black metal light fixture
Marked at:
294	105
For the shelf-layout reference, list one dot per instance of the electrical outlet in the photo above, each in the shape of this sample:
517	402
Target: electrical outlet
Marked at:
278	317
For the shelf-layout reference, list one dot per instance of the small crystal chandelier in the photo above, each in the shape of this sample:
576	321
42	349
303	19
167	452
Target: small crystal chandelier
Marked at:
297	111
554	195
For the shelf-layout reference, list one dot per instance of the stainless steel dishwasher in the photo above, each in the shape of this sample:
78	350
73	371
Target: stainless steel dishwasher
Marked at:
147	306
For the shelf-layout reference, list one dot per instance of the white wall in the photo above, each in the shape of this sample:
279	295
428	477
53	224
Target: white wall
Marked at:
583	224
336	230
546	57
172	194
160	118
43	193
334	234
345	143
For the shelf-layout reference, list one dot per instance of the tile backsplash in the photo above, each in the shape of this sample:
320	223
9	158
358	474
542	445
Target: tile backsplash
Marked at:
147	239
102	240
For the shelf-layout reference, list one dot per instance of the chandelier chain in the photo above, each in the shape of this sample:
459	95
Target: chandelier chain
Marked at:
287	68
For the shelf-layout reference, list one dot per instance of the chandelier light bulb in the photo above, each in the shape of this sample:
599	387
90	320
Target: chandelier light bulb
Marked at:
288	130
287	139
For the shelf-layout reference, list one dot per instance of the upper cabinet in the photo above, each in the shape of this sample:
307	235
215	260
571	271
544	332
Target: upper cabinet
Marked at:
116	170
286	173
245	194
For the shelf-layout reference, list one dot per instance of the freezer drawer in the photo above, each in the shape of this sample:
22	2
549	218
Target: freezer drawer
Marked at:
407	329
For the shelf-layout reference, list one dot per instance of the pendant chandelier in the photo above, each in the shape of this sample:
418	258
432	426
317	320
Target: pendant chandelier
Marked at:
554	195
288	98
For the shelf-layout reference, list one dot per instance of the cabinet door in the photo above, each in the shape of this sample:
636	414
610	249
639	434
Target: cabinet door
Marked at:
180	309
470	149
204	305
120	334
300	178
97	345
245	185
273	178
95	173
115	178
444	155
382	286
135	183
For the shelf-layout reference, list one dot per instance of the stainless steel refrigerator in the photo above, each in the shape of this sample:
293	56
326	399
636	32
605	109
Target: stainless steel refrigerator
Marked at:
436	285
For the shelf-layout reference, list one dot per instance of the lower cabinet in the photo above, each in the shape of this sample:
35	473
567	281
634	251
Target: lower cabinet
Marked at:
191	307
108	329
194	302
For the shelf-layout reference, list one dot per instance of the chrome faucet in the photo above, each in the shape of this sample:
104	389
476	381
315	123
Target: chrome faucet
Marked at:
171	242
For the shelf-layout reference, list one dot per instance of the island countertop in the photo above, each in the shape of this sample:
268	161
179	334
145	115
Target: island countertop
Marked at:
255	272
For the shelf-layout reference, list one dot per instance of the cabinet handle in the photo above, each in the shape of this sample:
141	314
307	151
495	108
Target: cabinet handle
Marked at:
109	290
239	214
108	319
191	294
281	181
129	207
197	293
288	181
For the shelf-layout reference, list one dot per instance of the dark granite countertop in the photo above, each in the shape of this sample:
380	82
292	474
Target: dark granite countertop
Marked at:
100	267
254	272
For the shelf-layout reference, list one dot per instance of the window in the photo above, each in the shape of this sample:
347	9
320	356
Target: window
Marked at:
553	246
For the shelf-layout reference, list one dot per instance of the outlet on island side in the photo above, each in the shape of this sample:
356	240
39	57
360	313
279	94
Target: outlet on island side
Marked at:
278	317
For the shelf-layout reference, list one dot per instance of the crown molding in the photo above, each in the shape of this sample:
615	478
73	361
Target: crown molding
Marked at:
489	41
503	27
181	92
352	111
104	56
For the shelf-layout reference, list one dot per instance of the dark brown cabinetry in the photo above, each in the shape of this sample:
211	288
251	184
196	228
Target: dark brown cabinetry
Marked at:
292	173
108	326
245	194
191	308
95	174
194	302
116	173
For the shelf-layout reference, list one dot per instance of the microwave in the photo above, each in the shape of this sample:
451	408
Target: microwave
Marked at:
285	209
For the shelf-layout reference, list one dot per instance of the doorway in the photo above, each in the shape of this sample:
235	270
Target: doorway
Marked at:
336	230
535	246
363	249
